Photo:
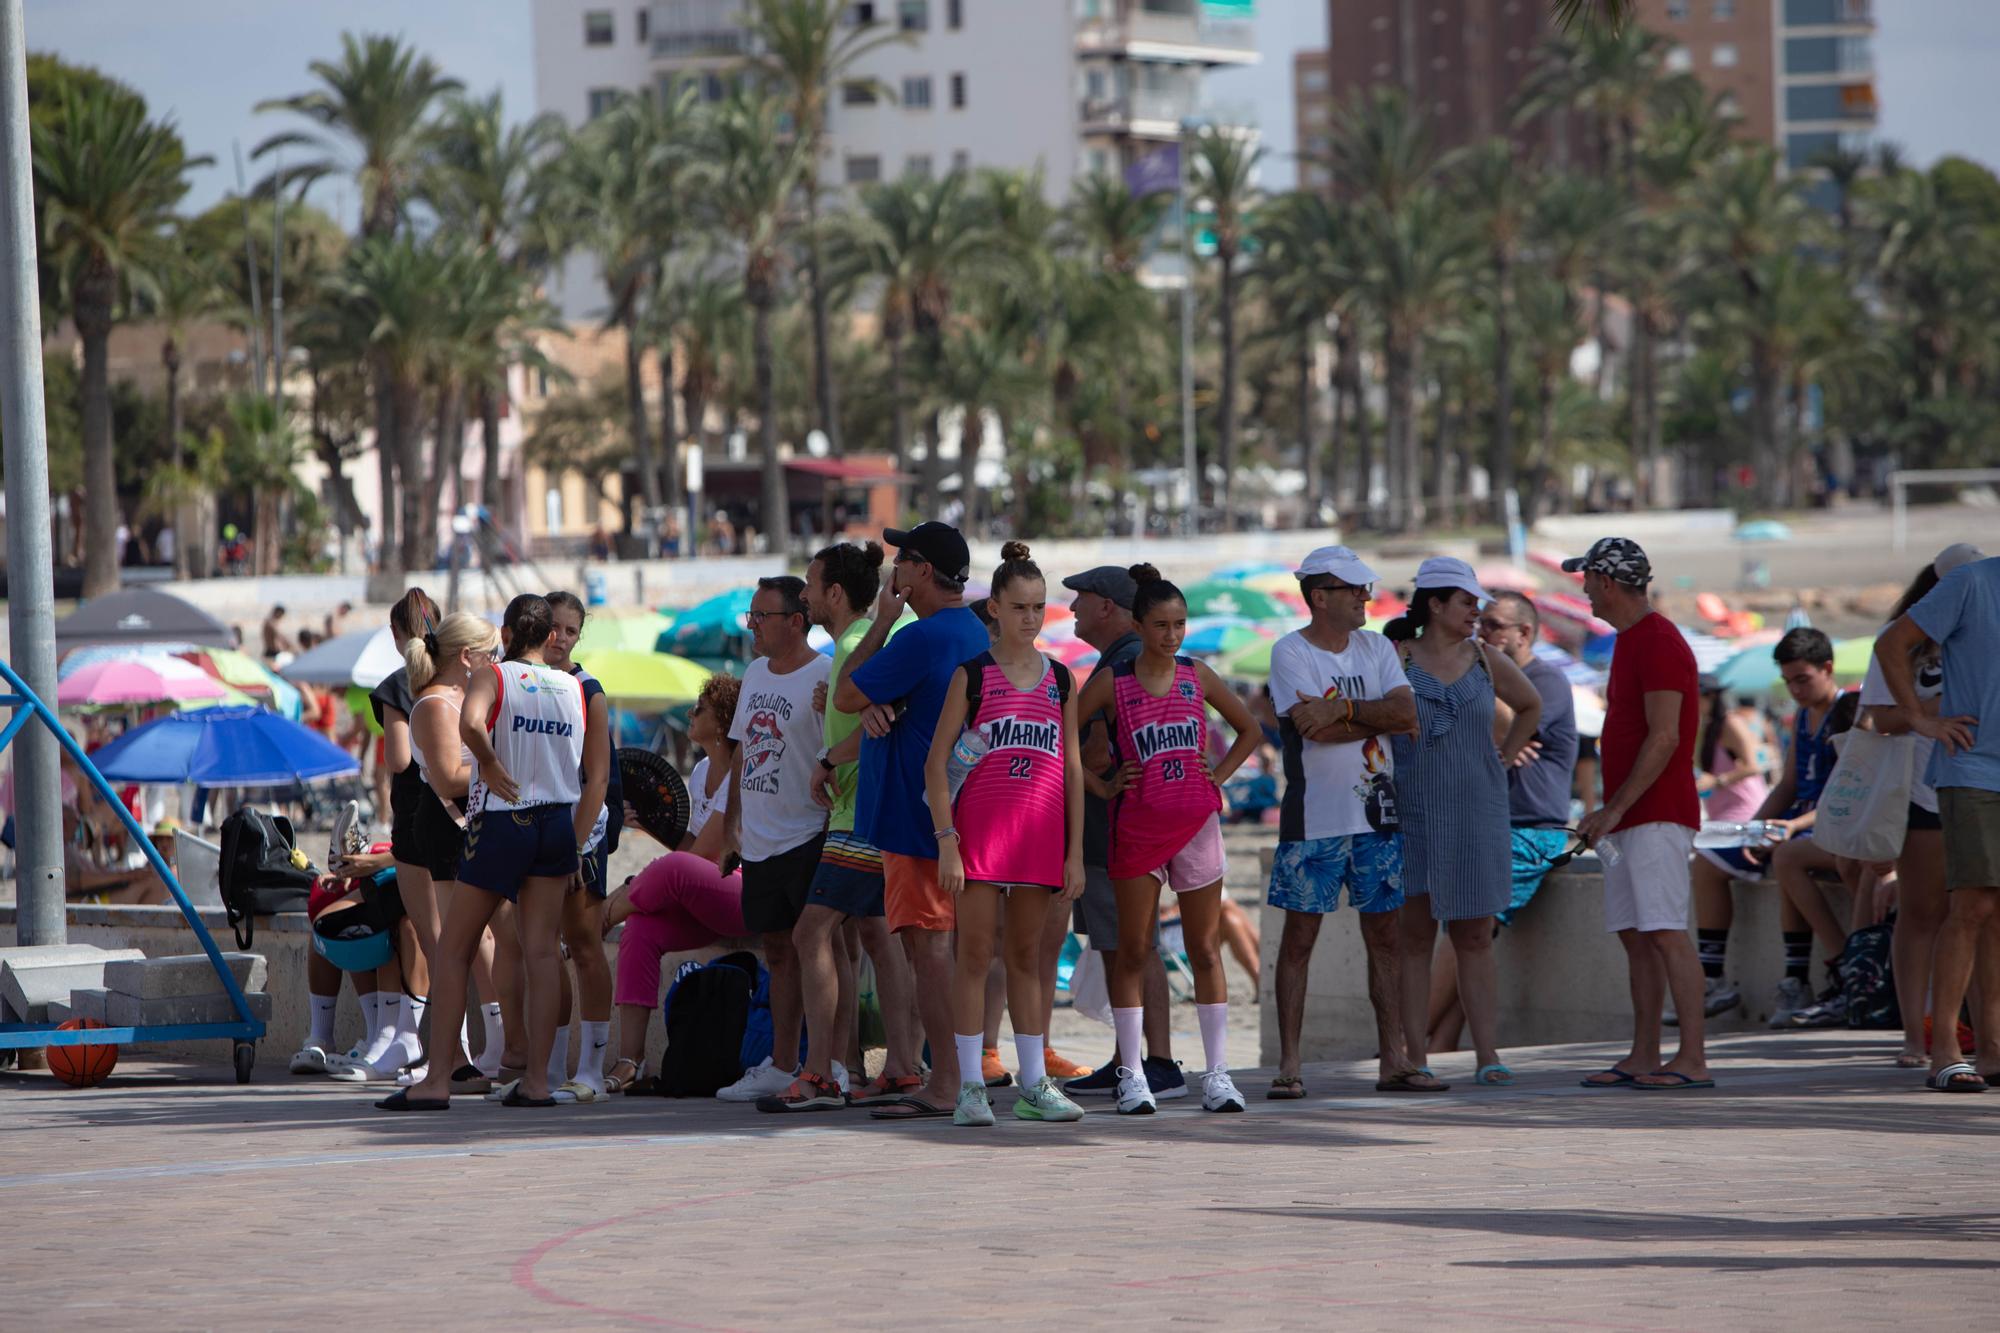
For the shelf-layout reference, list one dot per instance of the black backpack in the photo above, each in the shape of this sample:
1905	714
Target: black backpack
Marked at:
707	1012
256	874
1867	979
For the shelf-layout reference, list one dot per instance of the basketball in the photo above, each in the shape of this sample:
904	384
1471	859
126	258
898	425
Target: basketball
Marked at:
82	1066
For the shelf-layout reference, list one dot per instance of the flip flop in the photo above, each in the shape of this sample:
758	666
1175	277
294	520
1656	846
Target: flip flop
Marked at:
1619	1079
1494	1076
573	1093
1912	1060
1681	1082
911	1108
515	1097
1960	1077
467	1079
1402	1083
1286	1089
403	1101
502	1091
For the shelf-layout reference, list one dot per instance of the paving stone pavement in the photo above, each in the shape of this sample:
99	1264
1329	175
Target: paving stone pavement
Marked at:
1817	1187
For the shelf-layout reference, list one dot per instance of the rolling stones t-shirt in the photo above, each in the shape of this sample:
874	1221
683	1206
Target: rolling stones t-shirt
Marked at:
780	738
1334	789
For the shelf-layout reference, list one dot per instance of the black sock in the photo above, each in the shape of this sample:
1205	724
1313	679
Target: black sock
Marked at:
1798	955
1713	946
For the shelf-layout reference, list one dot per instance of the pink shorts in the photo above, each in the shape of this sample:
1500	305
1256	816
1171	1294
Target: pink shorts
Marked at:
1200	861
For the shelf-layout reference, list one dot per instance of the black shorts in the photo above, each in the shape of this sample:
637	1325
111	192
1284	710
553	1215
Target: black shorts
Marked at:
774	890
1924	821
439	838
406	792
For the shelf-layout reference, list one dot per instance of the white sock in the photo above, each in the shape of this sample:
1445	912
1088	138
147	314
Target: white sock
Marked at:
411	1018
496	1039
385	1028
590	1057
401	1048
1129	1024
1028	1050
323	1007
1214	1020
969	1049
368	1025
559	1059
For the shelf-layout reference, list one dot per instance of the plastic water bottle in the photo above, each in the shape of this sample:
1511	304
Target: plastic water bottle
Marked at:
1607	851
965	755
1721	833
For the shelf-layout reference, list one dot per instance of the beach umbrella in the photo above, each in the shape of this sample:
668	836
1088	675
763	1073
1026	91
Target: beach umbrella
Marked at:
78	658
1214	635
1072	653
1852	656
1763	530
364	657
714	628
636	632
148	679
645	678
1503	577
247	674
223	747
1574	671
1243	571
1751	671
1232	599
140	615
1252	661
1571	610
1709	651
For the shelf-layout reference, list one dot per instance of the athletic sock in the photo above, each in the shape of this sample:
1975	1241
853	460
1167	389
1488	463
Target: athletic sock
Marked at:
402	1047
559	1059
1713	946
385	1029
969	1049
1214	1020
1129	1024
412	1018
496	1039
1029	1051
368	1024
323	1007
1798	955
590	1058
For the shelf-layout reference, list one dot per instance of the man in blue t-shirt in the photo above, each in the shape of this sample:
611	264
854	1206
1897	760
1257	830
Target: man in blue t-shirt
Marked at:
898	686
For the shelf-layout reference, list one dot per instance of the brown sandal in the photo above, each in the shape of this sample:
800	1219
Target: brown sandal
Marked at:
613	1084
1286	1088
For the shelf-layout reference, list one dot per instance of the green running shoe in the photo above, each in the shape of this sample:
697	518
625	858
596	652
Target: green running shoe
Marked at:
973	1108
1045	1101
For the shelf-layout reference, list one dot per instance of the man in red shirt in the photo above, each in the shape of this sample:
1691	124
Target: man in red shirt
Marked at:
1645	830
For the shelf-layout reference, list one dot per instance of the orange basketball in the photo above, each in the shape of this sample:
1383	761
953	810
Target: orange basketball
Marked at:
82	1066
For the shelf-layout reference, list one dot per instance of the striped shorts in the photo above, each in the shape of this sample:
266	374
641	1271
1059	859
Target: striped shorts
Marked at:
849	878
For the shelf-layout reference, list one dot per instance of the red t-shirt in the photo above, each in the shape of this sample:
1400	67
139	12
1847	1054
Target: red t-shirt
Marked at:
1650	657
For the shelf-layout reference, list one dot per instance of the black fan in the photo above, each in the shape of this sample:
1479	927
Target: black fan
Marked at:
656	793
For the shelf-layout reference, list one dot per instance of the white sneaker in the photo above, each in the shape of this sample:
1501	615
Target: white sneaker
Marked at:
343	1070
412	1076
348	839
1218	1092
309	1060
840	1079
1134	1097
973	1107
764	1080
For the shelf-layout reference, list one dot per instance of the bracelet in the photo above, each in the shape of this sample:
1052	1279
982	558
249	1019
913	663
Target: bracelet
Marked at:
1350	712
946	832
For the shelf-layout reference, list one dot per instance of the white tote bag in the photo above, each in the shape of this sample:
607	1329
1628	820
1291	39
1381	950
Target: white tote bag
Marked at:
1864	812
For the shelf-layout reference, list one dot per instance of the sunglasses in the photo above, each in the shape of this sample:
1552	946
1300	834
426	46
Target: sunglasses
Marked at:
1492	626
1577	846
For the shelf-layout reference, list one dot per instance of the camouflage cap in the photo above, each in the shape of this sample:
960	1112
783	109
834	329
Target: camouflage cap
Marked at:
1617	558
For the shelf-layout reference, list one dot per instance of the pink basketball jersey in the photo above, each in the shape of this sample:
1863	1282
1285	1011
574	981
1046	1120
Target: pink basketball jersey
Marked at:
1010	814
1154	818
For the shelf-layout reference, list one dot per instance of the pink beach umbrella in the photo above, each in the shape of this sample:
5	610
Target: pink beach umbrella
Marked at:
150	679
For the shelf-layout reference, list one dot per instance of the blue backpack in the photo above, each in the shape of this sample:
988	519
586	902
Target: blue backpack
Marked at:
707	1015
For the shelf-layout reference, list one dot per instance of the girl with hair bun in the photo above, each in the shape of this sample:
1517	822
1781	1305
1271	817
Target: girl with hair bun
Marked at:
1166	827
1010	840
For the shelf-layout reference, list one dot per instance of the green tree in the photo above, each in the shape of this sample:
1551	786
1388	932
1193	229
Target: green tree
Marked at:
1222	177
1110	223
1500	190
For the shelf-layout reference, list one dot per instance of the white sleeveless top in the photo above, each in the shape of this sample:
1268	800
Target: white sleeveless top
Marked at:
417	751
537	730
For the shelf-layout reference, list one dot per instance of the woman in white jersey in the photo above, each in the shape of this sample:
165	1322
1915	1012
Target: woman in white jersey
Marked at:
523	720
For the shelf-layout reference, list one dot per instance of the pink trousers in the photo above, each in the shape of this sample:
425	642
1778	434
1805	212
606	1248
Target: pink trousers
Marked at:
679	902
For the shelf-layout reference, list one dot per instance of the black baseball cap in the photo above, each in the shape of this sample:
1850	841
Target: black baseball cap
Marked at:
938	544
1107	581
1619	559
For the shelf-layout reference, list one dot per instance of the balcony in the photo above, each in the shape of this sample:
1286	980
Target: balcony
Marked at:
1830	14
1181	34
1147	114
692	29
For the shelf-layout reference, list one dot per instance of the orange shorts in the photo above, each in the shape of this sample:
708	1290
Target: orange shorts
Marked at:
911	898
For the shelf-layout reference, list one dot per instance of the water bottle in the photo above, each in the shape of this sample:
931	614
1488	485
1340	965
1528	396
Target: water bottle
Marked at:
965	755
1607	851
1723	833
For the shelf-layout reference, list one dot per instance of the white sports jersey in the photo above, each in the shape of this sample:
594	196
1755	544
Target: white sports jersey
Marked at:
537	730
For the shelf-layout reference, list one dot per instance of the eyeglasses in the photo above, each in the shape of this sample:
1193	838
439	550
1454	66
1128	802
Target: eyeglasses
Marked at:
1492	626
1365	589
759	617
908	557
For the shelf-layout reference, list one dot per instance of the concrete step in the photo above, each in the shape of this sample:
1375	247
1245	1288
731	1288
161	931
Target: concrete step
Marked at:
123	1010
88	1003
182	974
33	976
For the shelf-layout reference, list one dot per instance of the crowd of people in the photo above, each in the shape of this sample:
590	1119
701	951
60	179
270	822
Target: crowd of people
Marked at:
941	798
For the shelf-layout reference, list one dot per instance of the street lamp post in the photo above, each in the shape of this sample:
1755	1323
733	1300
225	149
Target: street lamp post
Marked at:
1189	463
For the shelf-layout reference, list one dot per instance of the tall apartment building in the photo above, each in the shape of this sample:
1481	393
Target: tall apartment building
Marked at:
1312	116
1140	66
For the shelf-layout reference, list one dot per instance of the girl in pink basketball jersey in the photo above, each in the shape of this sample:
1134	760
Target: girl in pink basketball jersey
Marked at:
1166	826
1012	838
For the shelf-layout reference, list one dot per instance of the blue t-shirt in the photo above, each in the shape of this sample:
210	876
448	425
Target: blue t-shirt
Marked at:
1962	614
914	668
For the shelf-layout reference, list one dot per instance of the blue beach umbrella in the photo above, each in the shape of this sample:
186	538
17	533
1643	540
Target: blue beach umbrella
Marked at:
223	747
713	628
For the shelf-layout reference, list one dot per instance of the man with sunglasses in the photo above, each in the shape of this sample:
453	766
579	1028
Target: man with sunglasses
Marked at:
772	817
898	688
1340	692
1538	787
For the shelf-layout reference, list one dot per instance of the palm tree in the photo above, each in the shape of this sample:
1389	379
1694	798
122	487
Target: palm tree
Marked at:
107	179
710	307
1112	224
804	49
1303	275
1382	147
186	289
1500	188
262	459
1223	177
748	179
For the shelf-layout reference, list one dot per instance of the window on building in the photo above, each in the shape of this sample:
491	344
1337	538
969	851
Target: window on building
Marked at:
862	14
1677	11
958	92
598	28
1824	101
1312	81
1827	55
917	166
962	160
917	92
913	15
1728	107
1723	10
954	14
1680	60
714	88
863	170
1724	56
602	100
642	23
858	93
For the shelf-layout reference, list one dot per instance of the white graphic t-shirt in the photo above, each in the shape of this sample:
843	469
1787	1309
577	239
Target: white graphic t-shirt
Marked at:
780	735
1334	789
702	806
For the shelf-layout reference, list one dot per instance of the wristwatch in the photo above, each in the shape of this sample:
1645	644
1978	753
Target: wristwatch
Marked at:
824	762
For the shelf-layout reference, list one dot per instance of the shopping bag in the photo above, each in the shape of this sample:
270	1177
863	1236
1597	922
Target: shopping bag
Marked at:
1864	812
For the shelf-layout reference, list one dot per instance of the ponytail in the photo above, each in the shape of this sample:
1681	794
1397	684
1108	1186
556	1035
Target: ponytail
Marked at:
526	624
1151	590
427	653
415	613
1411	623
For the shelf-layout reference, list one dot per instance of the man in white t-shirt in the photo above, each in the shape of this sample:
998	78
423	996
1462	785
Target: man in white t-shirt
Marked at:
1340	693
773	819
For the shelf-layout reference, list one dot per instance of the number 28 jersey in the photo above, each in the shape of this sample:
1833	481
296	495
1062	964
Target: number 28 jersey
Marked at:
1153	819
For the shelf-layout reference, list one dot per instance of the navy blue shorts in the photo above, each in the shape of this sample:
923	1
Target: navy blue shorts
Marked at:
505	847
849	877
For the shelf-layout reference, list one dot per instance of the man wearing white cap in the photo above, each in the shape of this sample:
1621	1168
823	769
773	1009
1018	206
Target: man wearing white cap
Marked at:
1340	693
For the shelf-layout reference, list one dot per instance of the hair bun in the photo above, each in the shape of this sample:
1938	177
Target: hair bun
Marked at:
1014	551
1143	573
873	551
